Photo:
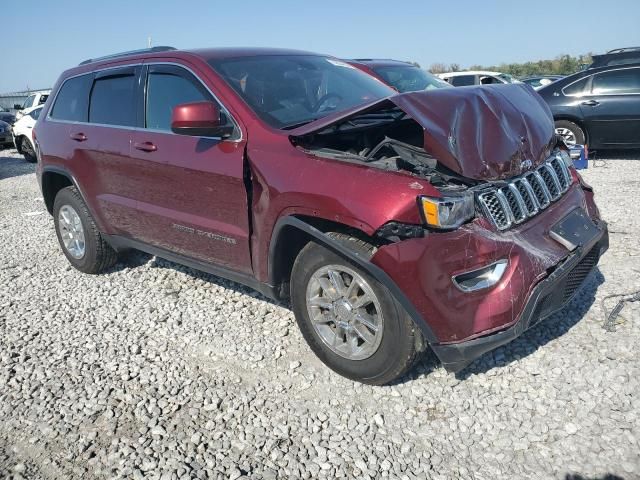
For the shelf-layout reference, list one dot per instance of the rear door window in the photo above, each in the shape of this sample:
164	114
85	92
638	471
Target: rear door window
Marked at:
617	82
463	80
71	103
43	98
168	86
112	100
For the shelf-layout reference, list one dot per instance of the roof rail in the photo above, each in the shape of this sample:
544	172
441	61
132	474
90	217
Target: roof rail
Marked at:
130	52
625	49
379	60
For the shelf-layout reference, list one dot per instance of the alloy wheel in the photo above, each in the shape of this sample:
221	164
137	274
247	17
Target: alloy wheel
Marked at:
71	231
345	312
567	135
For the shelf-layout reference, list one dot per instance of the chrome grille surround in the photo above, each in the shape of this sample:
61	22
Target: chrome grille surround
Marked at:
523	197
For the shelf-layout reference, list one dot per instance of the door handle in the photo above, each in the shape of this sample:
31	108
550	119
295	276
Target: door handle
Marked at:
145	146
591	103
78	137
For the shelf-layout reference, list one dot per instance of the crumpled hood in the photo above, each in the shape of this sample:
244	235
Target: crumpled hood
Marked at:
483	133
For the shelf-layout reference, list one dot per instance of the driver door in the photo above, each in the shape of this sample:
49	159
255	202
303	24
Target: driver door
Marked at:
194	202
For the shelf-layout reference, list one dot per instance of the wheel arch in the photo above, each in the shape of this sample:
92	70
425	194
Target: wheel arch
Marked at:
53	180
56	178
292	233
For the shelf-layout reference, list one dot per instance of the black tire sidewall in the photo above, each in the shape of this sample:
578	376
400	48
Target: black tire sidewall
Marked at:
69	196
397	340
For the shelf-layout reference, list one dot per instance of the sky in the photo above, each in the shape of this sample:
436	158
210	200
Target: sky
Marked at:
43	38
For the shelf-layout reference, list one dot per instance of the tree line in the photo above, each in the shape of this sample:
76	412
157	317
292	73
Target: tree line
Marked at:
561	65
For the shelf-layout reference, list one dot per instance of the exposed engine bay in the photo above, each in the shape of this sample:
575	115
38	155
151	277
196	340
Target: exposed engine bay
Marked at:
389	140
449	136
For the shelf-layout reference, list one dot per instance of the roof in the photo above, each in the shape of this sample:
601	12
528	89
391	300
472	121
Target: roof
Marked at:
469	72
380	62
624	49
585	73
531	77
233	52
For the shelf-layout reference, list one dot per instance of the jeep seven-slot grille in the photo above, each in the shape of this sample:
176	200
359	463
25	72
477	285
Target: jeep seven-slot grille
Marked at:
525	196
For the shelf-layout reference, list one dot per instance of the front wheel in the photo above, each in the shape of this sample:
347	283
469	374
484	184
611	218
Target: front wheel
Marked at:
570	132
350	320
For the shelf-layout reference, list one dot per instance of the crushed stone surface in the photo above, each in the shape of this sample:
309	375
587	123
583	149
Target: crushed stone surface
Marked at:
153	370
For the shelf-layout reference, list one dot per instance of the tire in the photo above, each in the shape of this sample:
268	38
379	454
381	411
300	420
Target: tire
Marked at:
97	255
570	132
398	340
26	149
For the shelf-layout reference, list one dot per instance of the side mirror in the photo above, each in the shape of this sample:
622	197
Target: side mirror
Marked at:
200	119
17	106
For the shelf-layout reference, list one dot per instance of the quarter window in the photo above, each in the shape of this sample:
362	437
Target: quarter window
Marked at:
617	82
71	104
166	90
113	101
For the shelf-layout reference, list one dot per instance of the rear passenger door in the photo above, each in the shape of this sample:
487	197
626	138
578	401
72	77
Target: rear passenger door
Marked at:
101	148
612	109
194	202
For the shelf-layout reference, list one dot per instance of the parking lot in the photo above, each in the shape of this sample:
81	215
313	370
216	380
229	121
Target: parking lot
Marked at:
154	367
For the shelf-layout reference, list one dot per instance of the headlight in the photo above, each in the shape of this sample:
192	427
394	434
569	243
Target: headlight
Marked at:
447	212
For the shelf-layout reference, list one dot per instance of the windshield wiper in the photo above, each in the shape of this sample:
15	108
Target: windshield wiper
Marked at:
297	124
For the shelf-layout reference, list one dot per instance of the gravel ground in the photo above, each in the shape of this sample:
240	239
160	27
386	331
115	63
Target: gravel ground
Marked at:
157	371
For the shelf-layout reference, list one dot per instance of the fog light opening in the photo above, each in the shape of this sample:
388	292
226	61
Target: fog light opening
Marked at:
481	278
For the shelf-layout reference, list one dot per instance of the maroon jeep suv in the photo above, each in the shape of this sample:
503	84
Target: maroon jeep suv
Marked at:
392	222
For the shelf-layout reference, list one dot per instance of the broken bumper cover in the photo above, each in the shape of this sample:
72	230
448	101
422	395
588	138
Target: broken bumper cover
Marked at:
547	297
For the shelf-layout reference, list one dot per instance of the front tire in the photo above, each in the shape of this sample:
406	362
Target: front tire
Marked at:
570	132
81	241
350	320
27	150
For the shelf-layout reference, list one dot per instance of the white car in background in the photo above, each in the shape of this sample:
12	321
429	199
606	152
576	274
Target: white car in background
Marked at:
33	101
22	138
477	77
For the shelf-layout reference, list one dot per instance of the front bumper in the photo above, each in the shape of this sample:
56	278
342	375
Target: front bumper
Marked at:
6	138
547	297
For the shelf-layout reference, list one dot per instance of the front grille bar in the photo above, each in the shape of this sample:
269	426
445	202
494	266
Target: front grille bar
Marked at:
527	195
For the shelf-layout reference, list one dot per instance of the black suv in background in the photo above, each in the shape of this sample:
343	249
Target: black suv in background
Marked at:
599	106
618	56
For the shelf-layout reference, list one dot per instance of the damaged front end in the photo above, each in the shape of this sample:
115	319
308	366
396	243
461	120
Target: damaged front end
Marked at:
459	140
485	260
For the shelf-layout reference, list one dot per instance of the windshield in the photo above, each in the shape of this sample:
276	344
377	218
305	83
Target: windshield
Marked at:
288	91
508	78
409	78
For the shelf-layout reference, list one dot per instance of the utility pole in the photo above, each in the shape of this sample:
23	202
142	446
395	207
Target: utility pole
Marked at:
149	41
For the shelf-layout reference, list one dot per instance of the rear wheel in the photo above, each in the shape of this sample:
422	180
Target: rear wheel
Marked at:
350	320
26	148
570	132
79	237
